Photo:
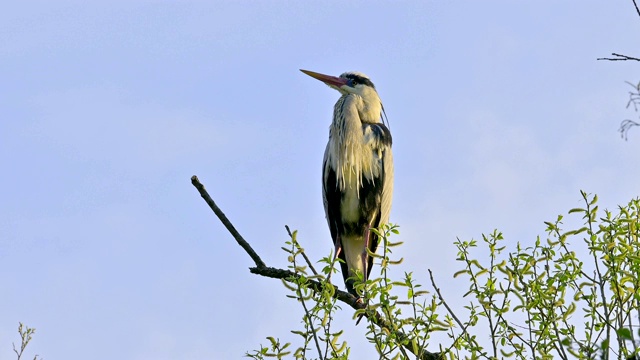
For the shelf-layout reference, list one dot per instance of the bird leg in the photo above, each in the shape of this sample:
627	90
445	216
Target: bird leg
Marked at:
338	250
364	257
365	263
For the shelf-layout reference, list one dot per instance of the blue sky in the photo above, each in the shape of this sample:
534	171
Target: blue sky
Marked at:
499	110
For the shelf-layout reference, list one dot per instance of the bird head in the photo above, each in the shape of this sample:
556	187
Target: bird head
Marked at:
357	83
351	82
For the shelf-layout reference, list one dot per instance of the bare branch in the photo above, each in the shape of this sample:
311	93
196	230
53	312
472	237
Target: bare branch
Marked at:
223	218
620	57
433	283
316	286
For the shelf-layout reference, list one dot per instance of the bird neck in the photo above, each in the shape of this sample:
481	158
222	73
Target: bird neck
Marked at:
349	151
369	105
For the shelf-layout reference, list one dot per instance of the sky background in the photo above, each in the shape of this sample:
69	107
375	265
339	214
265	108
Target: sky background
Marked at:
500	115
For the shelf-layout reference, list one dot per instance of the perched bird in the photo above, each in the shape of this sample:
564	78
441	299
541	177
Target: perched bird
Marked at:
357	172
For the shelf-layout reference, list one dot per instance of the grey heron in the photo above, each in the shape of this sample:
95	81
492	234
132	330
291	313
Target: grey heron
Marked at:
357	172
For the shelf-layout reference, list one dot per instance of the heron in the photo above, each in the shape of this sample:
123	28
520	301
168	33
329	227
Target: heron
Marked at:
357	173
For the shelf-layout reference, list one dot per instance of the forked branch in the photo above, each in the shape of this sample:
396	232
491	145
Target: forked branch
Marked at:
621	57
263	270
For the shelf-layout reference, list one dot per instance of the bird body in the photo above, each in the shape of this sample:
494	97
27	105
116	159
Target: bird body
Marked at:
357	172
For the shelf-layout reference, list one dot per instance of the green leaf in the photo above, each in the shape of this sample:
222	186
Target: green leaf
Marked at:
624	333
272	340
460	273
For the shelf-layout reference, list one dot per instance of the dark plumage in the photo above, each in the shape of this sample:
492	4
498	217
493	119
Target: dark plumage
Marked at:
357	172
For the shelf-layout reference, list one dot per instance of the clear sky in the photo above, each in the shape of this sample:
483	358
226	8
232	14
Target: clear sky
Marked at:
500	115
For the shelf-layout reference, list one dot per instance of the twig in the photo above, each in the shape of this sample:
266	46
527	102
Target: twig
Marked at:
301	299
433	283
463	327
304	255
287	275
223	218
625	125
620	57
25	335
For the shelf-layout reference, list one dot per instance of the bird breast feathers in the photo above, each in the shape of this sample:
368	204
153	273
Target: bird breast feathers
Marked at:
355	151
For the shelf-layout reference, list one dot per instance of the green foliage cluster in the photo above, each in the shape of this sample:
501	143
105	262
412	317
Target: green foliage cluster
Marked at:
546	301
318	307
575	294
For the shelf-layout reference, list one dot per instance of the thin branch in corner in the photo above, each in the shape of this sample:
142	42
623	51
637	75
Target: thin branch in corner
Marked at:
223	218
620	57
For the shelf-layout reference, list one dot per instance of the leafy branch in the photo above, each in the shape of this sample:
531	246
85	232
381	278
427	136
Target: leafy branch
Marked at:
26	334
316	284
541	301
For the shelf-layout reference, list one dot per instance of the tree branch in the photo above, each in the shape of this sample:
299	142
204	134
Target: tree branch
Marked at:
620	57
350	300
433	283
289	276
223	218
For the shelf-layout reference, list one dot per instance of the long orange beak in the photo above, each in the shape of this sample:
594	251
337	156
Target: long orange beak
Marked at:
327	79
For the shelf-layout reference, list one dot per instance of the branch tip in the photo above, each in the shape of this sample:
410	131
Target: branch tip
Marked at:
225	221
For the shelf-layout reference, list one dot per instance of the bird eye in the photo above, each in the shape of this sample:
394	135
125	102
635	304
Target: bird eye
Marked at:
353	83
